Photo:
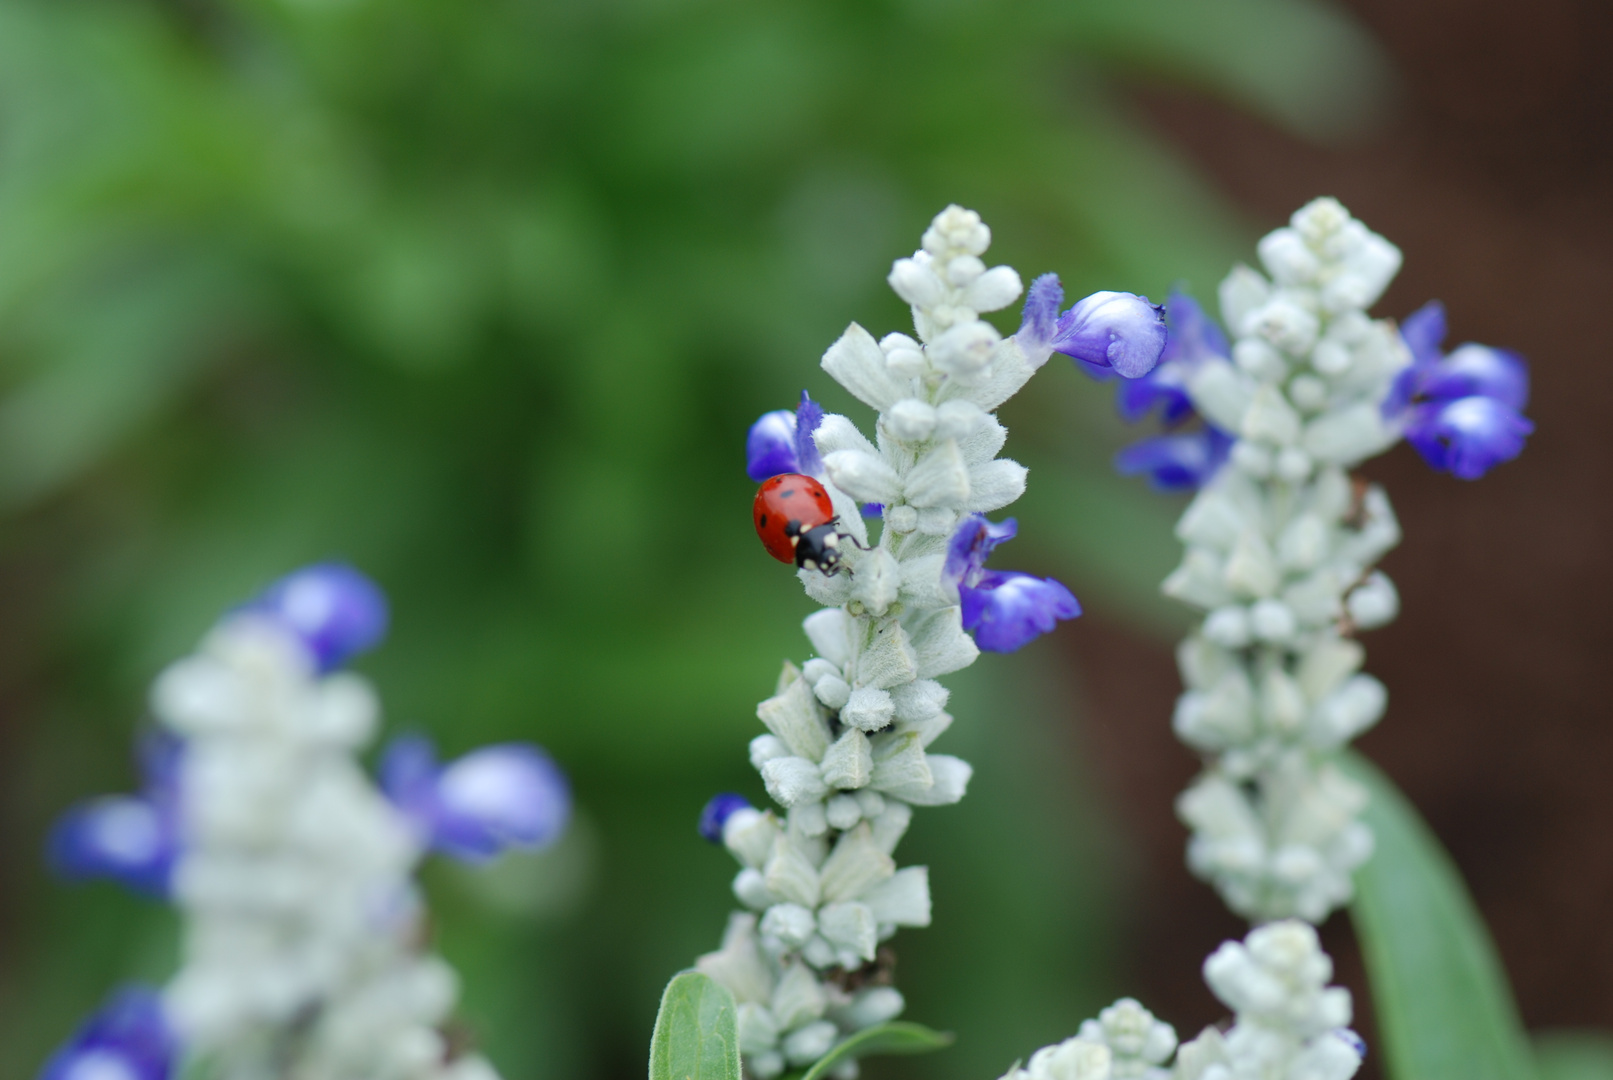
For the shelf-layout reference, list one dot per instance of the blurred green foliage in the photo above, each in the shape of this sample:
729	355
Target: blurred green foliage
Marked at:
482	296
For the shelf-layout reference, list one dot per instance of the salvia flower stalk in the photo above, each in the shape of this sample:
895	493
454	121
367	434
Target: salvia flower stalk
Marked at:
1287	1024
1282	542
846	756
303	951
1281	550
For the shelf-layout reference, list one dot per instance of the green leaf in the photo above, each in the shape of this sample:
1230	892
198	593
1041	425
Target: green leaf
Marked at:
1445	1009
1574	1055
696	1032
896	1038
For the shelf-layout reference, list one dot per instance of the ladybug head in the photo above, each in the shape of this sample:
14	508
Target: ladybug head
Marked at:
818	548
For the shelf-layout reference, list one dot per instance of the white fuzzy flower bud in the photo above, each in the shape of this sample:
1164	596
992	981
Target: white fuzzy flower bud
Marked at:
911	420
1373	603
993	290
965	351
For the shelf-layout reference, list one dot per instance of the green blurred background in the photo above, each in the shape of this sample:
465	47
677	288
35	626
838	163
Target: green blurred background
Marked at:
482	297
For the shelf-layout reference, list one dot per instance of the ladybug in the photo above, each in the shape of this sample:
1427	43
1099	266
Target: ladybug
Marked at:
796	522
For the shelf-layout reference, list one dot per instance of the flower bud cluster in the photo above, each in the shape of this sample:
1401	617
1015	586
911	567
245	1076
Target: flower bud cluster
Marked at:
846	756
1288	1024
302	927
1280	549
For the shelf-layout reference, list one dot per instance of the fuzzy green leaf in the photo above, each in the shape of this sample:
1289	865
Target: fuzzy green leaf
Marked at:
696	1032
1445	1009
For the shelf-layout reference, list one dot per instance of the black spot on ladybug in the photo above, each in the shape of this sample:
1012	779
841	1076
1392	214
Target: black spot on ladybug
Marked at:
762	523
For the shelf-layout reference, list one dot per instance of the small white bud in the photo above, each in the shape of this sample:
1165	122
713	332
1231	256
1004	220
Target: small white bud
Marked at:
1293	464
832	690
1287	259
1330	357
1228	626
750	887
965	350
1307	392
1252	458
901	519
810	1043
911	420
817	669
1273	621
869	709
871	803
994	290
1260	360
791	924
808	819
963	270
1373	603
843	811
959	419
915	283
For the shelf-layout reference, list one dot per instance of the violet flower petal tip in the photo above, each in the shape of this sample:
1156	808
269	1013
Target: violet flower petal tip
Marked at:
128	1038
1009	610
333	609
1118	330
808	415
124	838
510	795
715	814
1423	331
770	446
1039	322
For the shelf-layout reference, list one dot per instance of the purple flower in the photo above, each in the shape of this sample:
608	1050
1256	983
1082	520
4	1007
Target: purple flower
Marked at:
1180	462
1462	412
1003	609
1469	436
333	609
132	839
715	814
770	446
128	1039
1120	331
781	442
1194	337
498	797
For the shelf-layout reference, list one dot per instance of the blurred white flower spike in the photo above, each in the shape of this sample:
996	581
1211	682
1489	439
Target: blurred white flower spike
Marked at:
303	930
846	756
1287	1024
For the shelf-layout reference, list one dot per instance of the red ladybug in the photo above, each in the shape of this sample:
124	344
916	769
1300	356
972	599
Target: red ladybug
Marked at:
796	522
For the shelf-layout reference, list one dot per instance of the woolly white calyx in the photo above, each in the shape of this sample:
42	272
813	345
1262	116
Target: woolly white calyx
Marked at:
1280	545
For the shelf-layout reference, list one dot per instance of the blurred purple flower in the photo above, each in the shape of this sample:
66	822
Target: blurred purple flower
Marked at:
781	442
333	609
1469	436
128	1039
715	814
132	839
1180	462
1114	330
1005	610
1462	411
511	795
